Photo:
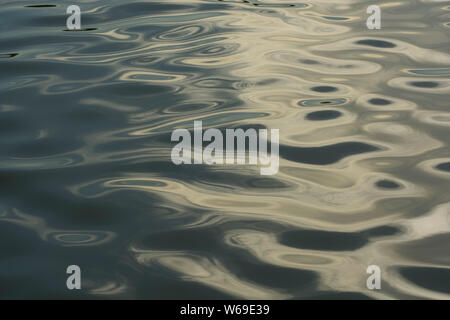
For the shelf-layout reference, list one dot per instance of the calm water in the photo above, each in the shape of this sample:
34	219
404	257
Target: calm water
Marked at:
86	176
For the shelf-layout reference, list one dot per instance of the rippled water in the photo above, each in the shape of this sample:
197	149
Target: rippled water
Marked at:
86	176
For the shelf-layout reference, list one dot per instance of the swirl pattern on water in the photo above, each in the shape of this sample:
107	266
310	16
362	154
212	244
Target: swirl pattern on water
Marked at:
85	170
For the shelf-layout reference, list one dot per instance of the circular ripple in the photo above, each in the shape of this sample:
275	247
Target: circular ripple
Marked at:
380	102
323	115
387	184
321	102
445	166
324	89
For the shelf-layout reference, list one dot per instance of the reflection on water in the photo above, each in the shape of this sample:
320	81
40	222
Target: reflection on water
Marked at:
85	170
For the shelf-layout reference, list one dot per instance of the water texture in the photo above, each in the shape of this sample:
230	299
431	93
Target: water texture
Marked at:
86	176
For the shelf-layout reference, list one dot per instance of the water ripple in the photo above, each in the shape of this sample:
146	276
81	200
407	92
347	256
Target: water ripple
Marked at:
85	170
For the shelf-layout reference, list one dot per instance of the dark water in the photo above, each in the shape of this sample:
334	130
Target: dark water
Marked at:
86	176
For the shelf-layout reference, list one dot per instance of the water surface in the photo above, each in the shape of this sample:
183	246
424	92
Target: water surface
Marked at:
86	176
